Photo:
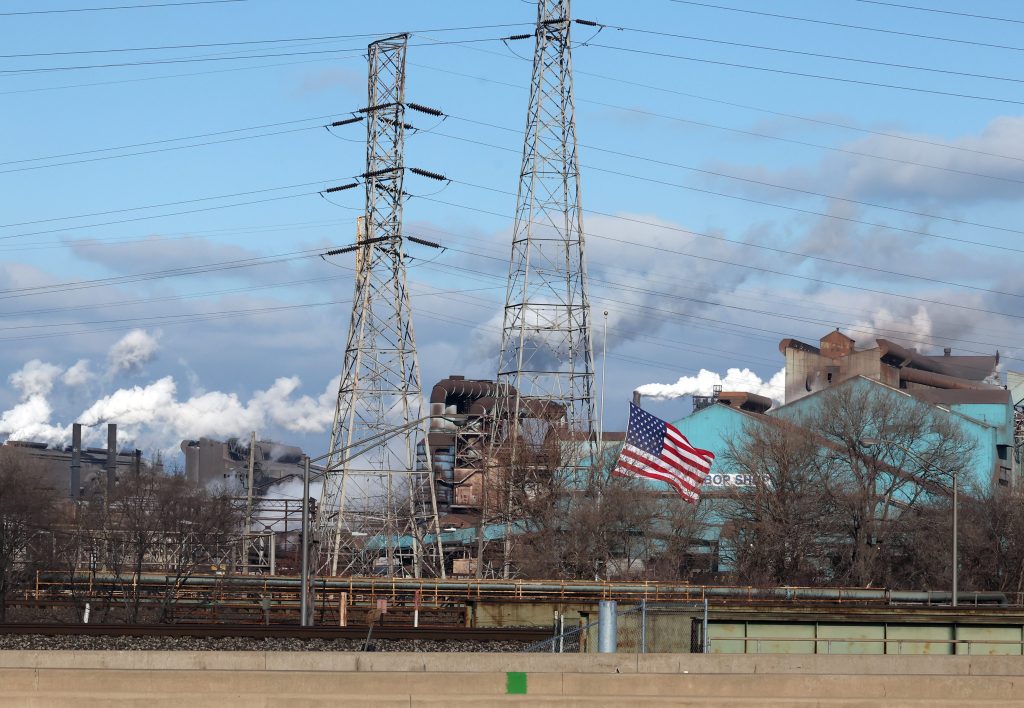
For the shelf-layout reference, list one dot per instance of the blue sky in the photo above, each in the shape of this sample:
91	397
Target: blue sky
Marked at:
678	303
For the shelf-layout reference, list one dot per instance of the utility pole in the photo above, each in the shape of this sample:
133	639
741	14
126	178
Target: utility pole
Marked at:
546	369
374	507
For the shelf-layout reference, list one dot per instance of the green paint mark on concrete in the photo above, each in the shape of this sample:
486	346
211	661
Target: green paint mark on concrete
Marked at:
516	682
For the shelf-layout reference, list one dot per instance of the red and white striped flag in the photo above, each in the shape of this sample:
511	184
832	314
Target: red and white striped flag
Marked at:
657	450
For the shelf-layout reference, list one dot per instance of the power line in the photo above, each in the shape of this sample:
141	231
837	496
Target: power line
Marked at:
751	200
617	285
260	41
760	109
192	60
813	54
119	7
806	75
171	140
744	265
160	150
943	12
849	26
762	183
158	206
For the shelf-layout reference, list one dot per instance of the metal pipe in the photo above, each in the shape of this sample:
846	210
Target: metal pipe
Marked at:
551	589
607	626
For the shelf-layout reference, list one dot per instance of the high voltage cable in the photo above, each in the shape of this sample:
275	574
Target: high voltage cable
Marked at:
740	292
850	26
800	52
762	183
747	265
176	76
614	285
359	51
754	201
171	140
233	264
618	286
160	150
119	7
262	41
802	74
759	109
165	204
943	12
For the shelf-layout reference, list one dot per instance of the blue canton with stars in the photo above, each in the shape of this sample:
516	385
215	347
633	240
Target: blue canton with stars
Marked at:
645	431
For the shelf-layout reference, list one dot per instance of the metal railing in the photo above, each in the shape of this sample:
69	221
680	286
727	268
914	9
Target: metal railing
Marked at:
632	631
902	645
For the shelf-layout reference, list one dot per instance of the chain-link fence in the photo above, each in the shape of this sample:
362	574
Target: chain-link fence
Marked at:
637	630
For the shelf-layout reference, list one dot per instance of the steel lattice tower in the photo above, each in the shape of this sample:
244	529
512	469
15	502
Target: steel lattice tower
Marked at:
546	350
545	369
385	494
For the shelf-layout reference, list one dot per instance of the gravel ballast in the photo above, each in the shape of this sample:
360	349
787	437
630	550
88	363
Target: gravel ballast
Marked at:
84	642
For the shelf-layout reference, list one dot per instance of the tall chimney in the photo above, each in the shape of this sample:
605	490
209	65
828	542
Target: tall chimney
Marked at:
76	460
636	398
111	458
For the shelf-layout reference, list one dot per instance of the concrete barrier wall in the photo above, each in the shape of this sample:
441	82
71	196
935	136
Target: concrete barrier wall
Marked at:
532	663
155	679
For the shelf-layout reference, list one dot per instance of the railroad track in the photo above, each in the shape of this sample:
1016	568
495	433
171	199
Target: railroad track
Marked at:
449	633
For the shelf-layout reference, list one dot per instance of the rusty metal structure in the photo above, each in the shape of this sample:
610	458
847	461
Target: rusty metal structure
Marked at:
372	504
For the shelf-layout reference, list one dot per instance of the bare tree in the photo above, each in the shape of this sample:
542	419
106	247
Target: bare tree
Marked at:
873	492
28	510
774	531
582	522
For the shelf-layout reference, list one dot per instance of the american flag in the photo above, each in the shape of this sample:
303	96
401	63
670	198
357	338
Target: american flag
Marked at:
657	450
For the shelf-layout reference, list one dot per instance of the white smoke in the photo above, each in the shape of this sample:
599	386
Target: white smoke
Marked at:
132	351
29	419
153	415
35	378
889	325
78	374
703	383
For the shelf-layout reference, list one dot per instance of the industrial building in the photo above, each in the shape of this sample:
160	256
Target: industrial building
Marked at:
82	471
209	461
965	388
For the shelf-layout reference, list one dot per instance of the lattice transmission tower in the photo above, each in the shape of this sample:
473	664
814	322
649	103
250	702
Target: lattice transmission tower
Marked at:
376	509
545	368
546	353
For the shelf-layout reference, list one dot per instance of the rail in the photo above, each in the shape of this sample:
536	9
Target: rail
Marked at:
456	633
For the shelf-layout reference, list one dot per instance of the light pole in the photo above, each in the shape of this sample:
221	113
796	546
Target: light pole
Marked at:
874	442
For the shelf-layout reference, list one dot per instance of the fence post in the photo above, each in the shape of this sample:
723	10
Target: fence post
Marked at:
643	626
607	626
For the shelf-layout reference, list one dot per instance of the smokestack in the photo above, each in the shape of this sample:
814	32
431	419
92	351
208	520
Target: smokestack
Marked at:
76	460
111	458
636	398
